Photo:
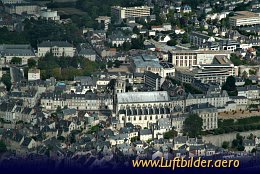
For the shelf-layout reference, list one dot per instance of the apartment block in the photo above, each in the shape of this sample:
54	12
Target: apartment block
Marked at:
243	18
127	12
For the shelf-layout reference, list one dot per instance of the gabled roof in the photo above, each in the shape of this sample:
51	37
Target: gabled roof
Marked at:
55	44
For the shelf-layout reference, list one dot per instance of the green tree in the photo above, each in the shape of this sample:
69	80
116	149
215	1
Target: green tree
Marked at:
185	39
172	42
244	74
58	110
117	63
136	30
31	63
61	138
2	147
230	86
193	125
6	79
248	82
137	43
110	64
225	144
170	134
16	60
252	72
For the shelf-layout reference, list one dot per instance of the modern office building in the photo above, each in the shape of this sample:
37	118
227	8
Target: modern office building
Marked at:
126	12
215	73
243	18
153	81
187	58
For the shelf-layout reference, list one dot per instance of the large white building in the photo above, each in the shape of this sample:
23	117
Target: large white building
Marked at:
57	48
48	14
34	74
23	51
21	8
187	58
208	113
142	108
126	12
11	1
243	18
89	101
206	74
143	63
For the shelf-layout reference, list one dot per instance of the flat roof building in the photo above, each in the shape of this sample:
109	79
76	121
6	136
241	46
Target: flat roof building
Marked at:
127	12
243	18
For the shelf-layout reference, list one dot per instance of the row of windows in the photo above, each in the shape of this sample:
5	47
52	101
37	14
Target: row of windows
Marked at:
145	118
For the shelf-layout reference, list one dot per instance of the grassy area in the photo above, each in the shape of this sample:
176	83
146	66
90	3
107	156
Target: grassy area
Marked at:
70	11
239	125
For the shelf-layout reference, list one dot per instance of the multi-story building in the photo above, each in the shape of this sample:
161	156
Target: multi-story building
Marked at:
88	54
12	1
243	18
198	39
154	99
106	20
215	98
88	101
250	92
21	8
48	14
187	58
34	74
118	39
143	63
126	12
57	48
216	73
153	81
208	113
142	116
23	51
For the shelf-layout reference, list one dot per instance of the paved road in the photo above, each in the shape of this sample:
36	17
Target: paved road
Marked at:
16	74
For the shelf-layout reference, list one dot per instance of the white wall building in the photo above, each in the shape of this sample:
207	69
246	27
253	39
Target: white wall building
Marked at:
57	48
187	58
126	12
34	74
243	18
49	15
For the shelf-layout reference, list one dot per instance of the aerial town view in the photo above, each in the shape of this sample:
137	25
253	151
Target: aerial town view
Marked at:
111	83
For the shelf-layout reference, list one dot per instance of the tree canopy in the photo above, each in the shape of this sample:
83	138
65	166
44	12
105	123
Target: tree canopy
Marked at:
193	125
6	79
230	86
2	147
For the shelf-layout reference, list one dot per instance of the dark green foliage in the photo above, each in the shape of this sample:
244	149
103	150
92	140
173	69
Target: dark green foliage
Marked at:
32	63
237	143
170	134
193	125
8	37
2	147
230	86
65	68
6	79
16	60
172	42
240	125
225	144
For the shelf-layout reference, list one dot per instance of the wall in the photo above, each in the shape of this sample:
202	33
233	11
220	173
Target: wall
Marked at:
219	139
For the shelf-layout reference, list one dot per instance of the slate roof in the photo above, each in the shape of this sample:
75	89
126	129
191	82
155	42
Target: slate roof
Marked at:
55	44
